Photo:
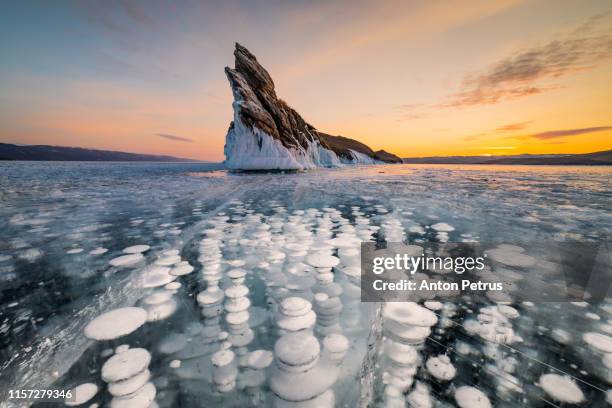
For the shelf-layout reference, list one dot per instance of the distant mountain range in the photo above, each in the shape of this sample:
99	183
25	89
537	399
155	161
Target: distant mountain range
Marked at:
587	159
60	153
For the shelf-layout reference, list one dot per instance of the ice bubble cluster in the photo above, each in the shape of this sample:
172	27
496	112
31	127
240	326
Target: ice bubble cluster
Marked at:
270	315
226	371
299	375
127	376
295	314
159	305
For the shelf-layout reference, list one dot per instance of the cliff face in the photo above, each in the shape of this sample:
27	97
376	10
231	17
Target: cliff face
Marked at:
267	134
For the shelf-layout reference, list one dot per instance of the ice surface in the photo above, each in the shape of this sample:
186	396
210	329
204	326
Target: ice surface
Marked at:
219	230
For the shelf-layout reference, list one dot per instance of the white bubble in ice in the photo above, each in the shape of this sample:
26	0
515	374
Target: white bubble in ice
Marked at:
598	341
561	388
410	313
560	335
297	349
470	397
155	275
433	305
420	397
116	323
512	248
441	368
122	348
125	365
172	286
168	260
74	251
443	227
182	268
143	398
510	258
175	364
136	249
260	359
126	260
98	251
222	358
129	385
81	394
322	260
592	316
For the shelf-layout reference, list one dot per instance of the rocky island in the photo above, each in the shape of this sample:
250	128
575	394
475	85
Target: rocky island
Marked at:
267	134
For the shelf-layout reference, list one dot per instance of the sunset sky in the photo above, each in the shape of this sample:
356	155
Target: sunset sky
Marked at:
417	78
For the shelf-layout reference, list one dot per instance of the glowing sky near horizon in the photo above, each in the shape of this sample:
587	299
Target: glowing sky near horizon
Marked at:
417	78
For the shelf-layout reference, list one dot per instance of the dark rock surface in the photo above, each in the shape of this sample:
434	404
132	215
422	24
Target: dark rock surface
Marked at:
385	156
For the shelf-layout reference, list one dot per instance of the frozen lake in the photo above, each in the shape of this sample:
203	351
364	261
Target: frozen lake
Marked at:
214	263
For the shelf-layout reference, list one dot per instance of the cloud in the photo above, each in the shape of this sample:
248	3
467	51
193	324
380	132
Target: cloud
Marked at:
512	127
173	137
553	134
522	73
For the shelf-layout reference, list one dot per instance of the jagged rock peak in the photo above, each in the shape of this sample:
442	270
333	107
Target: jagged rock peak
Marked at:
267	133
257	106
248	66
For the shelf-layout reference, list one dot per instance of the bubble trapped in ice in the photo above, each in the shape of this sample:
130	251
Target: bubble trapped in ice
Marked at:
294	243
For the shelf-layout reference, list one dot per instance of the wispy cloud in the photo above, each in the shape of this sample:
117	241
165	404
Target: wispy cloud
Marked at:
553	134
513	126
174	137
522	73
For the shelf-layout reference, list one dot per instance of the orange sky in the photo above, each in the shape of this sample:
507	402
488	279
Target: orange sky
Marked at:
416	78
